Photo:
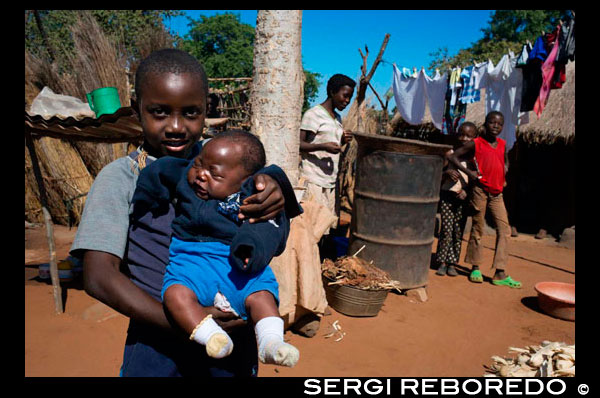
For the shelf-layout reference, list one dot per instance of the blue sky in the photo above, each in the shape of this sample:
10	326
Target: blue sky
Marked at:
331	39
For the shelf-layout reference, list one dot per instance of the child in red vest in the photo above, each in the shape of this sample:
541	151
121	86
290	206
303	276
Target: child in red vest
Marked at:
489	153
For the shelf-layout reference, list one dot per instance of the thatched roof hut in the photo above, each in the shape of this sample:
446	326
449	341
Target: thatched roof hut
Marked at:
557	121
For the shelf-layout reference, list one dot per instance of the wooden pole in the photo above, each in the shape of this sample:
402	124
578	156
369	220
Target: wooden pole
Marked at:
366	78
58	304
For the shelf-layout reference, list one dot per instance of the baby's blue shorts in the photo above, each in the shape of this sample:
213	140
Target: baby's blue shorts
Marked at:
204	268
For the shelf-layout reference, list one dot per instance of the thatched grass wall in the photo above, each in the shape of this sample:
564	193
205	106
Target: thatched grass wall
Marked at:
346	176
65	178
69	168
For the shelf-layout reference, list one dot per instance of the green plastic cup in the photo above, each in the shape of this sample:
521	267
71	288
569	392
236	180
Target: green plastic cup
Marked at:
104	100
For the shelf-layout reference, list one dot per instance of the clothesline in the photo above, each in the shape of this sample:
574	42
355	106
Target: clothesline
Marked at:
515	86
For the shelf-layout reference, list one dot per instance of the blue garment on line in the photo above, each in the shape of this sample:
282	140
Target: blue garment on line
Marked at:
469	93
204	268
539	49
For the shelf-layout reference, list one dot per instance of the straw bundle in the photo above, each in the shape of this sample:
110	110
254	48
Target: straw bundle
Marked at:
68	169
346	174
33	207
151	39
65	178
354	271
368	123
97	63
52	154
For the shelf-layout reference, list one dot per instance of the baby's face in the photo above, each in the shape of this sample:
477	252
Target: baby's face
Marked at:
217	172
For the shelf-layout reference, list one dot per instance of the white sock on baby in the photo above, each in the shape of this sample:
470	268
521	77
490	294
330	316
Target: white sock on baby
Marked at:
217	341
271	347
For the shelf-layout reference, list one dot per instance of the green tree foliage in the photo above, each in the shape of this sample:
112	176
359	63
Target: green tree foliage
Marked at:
222	43
225	46
311	88
508	30
124	27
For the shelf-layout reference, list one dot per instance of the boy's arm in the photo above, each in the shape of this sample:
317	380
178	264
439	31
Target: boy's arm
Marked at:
467	151
251	203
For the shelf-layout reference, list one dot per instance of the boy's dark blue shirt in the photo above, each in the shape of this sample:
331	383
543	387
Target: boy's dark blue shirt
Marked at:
198	220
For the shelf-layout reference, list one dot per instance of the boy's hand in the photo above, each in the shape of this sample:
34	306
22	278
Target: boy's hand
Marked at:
331	147
265	204
473	175
453	174
462	195
227	320
346	136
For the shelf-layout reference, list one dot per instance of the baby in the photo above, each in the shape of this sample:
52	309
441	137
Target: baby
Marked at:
215	258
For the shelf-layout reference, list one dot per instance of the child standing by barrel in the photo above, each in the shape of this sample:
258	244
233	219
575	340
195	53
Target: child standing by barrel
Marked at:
490	156
453	195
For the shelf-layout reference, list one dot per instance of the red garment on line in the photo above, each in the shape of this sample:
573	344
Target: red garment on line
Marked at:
491	164
547	76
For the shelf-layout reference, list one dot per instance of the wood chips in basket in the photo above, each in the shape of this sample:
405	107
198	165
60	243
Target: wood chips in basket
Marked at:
356	272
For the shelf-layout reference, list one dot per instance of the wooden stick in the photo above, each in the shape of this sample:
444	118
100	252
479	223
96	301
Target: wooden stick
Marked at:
58	304
359	250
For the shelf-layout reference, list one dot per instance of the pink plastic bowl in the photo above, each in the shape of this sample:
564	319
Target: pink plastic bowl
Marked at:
557	299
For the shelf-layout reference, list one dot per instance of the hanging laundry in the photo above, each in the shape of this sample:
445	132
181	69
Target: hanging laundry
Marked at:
548	69
454	110
532	75
469	93
454	115
435	89
406	72
455	84
503	93
539	50
566	42
411	95
559	76
524	56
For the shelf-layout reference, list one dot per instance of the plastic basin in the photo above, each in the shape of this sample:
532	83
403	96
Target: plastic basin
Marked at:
557	299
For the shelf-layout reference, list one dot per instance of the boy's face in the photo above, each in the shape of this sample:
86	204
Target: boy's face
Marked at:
342	98
466	134
172	112
217	171
494	124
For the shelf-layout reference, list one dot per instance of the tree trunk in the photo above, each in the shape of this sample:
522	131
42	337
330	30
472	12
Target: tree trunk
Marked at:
278	87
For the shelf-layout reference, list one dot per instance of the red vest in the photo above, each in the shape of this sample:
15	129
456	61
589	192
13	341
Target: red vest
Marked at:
491	164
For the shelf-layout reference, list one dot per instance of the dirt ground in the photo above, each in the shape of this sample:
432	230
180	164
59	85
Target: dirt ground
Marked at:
454	333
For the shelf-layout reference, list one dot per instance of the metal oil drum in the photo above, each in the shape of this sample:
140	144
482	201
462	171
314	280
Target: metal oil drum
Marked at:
396	197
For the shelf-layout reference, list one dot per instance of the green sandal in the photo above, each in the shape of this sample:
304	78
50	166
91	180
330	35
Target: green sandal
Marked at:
476	276
508	281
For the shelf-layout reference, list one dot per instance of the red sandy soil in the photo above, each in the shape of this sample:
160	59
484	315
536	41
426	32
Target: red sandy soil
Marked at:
453	333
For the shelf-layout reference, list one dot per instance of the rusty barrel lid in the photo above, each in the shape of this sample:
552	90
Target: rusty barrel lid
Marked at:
394	144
